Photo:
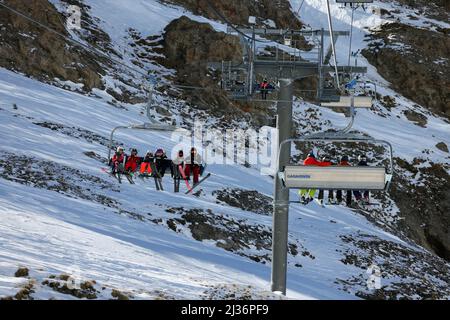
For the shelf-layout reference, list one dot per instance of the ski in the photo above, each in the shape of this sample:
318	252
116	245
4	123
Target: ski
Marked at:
180	168
198	183
129	178
157	177
320	202
299	201
116	175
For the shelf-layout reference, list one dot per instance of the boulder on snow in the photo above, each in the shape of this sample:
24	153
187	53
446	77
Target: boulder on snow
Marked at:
442	146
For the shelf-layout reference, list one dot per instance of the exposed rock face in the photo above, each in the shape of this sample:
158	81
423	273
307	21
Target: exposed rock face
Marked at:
188	46
199	44
436	9
249	200
425	207
39	53
238	11
416	62
404	273
442	146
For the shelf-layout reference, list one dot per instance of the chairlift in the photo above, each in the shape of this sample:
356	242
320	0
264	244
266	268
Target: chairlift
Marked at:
352	101
353	2
150	126
378	178
287	41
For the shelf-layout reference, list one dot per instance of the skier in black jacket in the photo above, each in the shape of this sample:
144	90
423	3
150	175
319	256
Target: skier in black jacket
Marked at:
362	195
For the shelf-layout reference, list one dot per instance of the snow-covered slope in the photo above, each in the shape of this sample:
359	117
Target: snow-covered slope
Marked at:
60	214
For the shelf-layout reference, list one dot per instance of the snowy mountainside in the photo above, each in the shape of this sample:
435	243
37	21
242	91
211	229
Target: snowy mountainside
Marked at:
62	217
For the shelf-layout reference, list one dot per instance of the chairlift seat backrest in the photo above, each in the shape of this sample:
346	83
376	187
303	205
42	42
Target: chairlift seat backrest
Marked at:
346	102
335	177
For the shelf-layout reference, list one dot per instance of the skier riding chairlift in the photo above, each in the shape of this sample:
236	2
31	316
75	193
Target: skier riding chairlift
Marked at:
193	163
264	88
116	162
132	161
162	163
344	162
178	169
145	168
307	195
326	162
362	195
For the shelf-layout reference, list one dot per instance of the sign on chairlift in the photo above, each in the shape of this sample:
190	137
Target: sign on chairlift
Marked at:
354	1
346	102
287	41
335	177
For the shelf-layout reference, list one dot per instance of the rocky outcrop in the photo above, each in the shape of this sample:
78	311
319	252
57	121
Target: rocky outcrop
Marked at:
415	62
191	44
424	206
404	273
435	9
248	200
37	52
238	11
188	46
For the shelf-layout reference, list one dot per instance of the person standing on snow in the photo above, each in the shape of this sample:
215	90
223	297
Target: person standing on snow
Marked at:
116	162
348	201
193	164
307	195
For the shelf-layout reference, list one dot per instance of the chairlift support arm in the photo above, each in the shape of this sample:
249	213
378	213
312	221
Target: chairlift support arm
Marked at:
144	126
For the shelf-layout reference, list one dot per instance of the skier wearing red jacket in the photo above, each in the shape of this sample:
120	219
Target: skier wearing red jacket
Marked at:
264	88
132	161
116	162
307	195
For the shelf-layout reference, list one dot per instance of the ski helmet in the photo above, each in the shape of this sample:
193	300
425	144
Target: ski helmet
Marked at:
159	152
311	154
180	153
326	158
362	158
119	149
134	150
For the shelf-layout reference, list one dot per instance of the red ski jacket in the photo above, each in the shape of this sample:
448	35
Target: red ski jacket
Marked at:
264	85
344	164
118	158
325	164
132	163
311	161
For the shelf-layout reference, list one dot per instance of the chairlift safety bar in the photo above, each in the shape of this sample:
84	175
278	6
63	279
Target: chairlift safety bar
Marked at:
389	173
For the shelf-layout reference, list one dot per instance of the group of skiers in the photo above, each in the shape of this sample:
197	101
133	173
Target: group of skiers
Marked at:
307	196
157	164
